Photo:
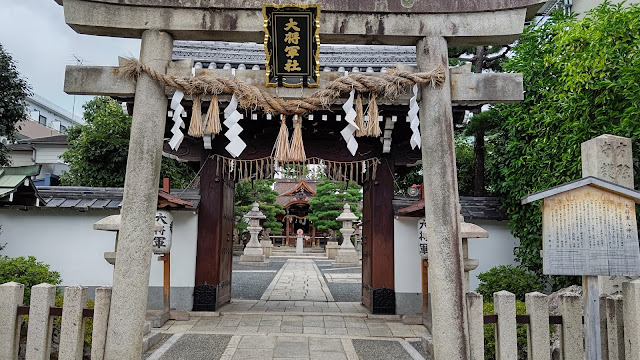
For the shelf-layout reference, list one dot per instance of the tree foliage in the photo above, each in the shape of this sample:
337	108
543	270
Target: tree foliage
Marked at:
98	150
247	193
464	164
27	271
329	202
581	81
14	91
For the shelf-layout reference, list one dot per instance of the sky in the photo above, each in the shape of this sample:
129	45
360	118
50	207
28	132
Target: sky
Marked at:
42	44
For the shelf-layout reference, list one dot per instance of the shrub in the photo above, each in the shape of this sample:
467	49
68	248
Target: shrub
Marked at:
506	277
27	271
490	333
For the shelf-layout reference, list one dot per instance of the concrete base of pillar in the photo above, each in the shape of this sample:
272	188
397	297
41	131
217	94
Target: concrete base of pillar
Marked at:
255	260
347	257
267	248
332	249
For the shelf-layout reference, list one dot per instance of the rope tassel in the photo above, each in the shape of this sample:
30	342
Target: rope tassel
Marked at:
196	128
281	147
360	117
373	128
296	150
212	120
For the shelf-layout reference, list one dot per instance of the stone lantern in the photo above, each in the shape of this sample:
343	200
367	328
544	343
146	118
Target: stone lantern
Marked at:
347	255
253	253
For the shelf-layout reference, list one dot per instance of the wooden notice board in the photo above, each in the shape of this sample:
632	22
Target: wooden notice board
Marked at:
590	231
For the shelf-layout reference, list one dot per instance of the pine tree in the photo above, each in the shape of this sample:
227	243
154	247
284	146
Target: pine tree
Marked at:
329	202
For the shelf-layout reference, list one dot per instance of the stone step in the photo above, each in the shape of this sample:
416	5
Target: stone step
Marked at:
147	327
150	340
427	343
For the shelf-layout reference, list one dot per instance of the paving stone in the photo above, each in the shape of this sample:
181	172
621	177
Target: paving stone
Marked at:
358	331
253	354
246	329
313	330
257	342
335	331
324	344
291	347
380	350
321	355
291	329
268	329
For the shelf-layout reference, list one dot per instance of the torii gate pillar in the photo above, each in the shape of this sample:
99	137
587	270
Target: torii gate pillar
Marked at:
133	262
450	332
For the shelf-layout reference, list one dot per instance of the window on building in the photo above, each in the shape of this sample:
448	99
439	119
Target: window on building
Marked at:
43	120
63	129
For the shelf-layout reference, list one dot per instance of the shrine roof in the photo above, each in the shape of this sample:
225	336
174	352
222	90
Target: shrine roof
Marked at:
286	189
473	208
104	198
587	181
352	58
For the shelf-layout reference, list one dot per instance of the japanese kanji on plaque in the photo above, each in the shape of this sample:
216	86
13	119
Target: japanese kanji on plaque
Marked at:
292	44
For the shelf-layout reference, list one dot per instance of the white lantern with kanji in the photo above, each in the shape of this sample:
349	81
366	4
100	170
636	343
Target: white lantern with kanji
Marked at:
162	238
422	236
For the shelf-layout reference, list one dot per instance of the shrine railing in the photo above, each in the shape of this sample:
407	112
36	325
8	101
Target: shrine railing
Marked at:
42	311
619	325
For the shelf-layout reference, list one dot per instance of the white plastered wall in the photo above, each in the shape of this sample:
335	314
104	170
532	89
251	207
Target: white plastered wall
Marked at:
495	250
65	240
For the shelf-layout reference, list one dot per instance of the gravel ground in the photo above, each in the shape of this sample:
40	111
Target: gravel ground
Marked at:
420	348
380	350
342	291
198	347
251	285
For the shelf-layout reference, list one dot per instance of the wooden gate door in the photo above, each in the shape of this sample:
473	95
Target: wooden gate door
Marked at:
226	248
378	290
367	230
214	252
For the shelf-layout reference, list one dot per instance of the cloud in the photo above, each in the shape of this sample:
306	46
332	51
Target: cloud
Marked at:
35	34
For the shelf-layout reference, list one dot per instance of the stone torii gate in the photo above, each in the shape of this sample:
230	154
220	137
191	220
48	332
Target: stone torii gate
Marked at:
431	26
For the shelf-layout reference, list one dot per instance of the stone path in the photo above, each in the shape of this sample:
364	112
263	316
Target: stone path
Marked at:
298	280
307	307
255	337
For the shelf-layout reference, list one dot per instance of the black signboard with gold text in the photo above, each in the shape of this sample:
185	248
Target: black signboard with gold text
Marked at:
292	44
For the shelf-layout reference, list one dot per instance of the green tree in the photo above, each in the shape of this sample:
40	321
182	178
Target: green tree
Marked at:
329	202
247	193
464	164
14	91
581	81
27	271
97	154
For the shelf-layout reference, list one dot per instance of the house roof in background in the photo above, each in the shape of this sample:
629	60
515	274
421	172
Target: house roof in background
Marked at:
100	198
60	139
32	129
16	185
19	147
473	208
55	108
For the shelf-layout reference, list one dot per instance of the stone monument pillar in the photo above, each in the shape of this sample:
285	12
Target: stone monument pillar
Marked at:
253	254
299	242
139	204
347	254
609	157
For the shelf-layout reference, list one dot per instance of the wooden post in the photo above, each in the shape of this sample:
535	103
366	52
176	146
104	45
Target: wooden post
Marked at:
450	331
286	231
425	286
166	285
